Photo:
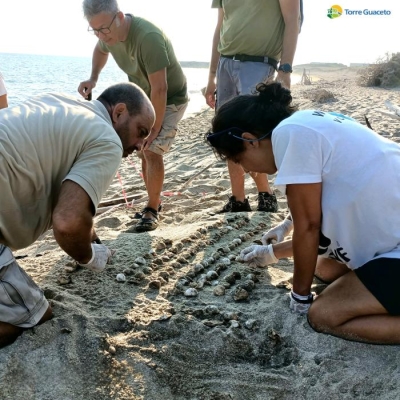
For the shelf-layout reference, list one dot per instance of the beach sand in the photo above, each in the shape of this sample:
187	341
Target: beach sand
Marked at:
144	339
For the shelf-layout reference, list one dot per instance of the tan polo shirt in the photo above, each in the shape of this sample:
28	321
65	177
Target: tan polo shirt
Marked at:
44	141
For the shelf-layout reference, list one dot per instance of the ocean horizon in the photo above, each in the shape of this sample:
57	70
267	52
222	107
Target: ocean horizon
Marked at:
28	75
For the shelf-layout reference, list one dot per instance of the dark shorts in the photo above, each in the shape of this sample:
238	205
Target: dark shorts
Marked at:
381	277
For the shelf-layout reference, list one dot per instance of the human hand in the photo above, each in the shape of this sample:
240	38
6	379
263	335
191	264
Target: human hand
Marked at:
86	87
300	304
209	94
149	139
101	256
257	255
277	234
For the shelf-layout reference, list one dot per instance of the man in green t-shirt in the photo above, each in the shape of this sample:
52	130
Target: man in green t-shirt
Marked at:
146	55
250	39
58	156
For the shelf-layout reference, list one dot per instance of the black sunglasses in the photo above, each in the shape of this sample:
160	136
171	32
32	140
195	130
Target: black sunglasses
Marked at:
104	31
234	132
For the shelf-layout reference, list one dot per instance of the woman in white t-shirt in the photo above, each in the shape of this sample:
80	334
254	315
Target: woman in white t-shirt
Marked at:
3	93
342	184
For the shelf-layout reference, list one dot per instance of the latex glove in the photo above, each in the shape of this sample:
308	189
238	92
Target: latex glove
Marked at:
277	234
101	256
259	256
300	304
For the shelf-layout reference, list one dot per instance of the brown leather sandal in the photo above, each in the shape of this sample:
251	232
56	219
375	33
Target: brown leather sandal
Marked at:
147	224
139	214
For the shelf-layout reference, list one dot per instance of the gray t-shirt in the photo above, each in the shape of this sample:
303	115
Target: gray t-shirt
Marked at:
44	141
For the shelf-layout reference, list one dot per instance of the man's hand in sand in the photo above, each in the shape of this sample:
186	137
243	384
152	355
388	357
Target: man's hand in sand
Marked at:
277	234
149	139
257	255
101	256
86	87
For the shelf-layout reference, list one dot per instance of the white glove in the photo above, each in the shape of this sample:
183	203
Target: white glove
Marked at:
259	256
101	256
300	304
277	234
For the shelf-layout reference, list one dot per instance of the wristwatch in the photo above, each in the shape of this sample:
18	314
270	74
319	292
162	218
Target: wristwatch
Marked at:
286	68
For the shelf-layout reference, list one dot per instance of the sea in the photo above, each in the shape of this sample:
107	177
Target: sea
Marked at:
27	75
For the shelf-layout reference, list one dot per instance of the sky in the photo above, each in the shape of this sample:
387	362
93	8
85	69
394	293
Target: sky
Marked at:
54	27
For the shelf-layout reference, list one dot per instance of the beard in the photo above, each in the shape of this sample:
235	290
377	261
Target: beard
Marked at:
125	136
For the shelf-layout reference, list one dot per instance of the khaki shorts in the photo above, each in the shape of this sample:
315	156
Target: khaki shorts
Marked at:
166	138
22	302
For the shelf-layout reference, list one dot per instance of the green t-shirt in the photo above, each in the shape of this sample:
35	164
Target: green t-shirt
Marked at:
145	51
44	141
251	27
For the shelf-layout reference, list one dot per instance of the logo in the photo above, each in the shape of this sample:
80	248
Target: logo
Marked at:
335	12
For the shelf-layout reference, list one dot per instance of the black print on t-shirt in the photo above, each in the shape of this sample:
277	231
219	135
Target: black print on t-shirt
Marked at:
337	254
324	243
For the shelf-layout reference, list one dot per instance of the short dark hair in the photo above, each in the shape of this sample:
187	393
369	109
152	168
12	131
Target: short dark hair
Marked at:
93	7
257	113
128	93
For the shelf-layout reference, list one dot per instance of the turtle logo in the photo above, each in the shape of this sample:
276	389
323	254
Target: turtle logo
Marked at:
335	12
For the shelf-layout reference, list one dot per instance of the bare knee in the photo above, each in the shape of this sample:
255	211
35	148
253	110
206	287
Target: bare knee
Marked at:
328	270
8	333
320	317
47	315
151	156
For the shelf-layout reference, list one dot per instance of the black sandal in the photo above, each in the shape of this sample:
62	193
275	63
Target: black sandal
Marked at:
139	214
147	224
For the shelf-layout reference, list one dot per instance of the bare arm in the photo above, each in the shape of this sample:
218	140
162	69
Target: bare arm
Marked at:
283	249
304	201
211	85
290	11
99	60
73	222
158	97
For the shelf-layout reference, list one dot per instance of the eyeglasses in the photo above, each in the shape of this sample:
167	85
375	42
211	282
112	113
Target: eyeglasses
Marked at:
104	31
234	132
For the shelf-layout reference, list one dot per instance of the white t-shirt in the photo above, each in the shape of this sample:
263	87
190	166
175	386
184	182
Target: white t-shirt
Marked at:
3	89
360	175
44	141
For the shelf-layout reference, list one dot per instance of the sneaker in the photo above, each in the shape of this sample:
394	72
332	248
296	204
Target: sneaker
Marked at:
236	206
267	202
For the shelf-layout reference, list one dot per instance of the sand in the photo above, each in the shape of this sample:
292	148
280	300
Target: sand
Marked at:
144	339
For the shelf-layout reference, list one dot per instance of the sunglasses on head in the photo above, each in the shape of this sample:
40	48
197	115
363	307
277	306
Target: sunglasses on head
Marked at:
234	132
